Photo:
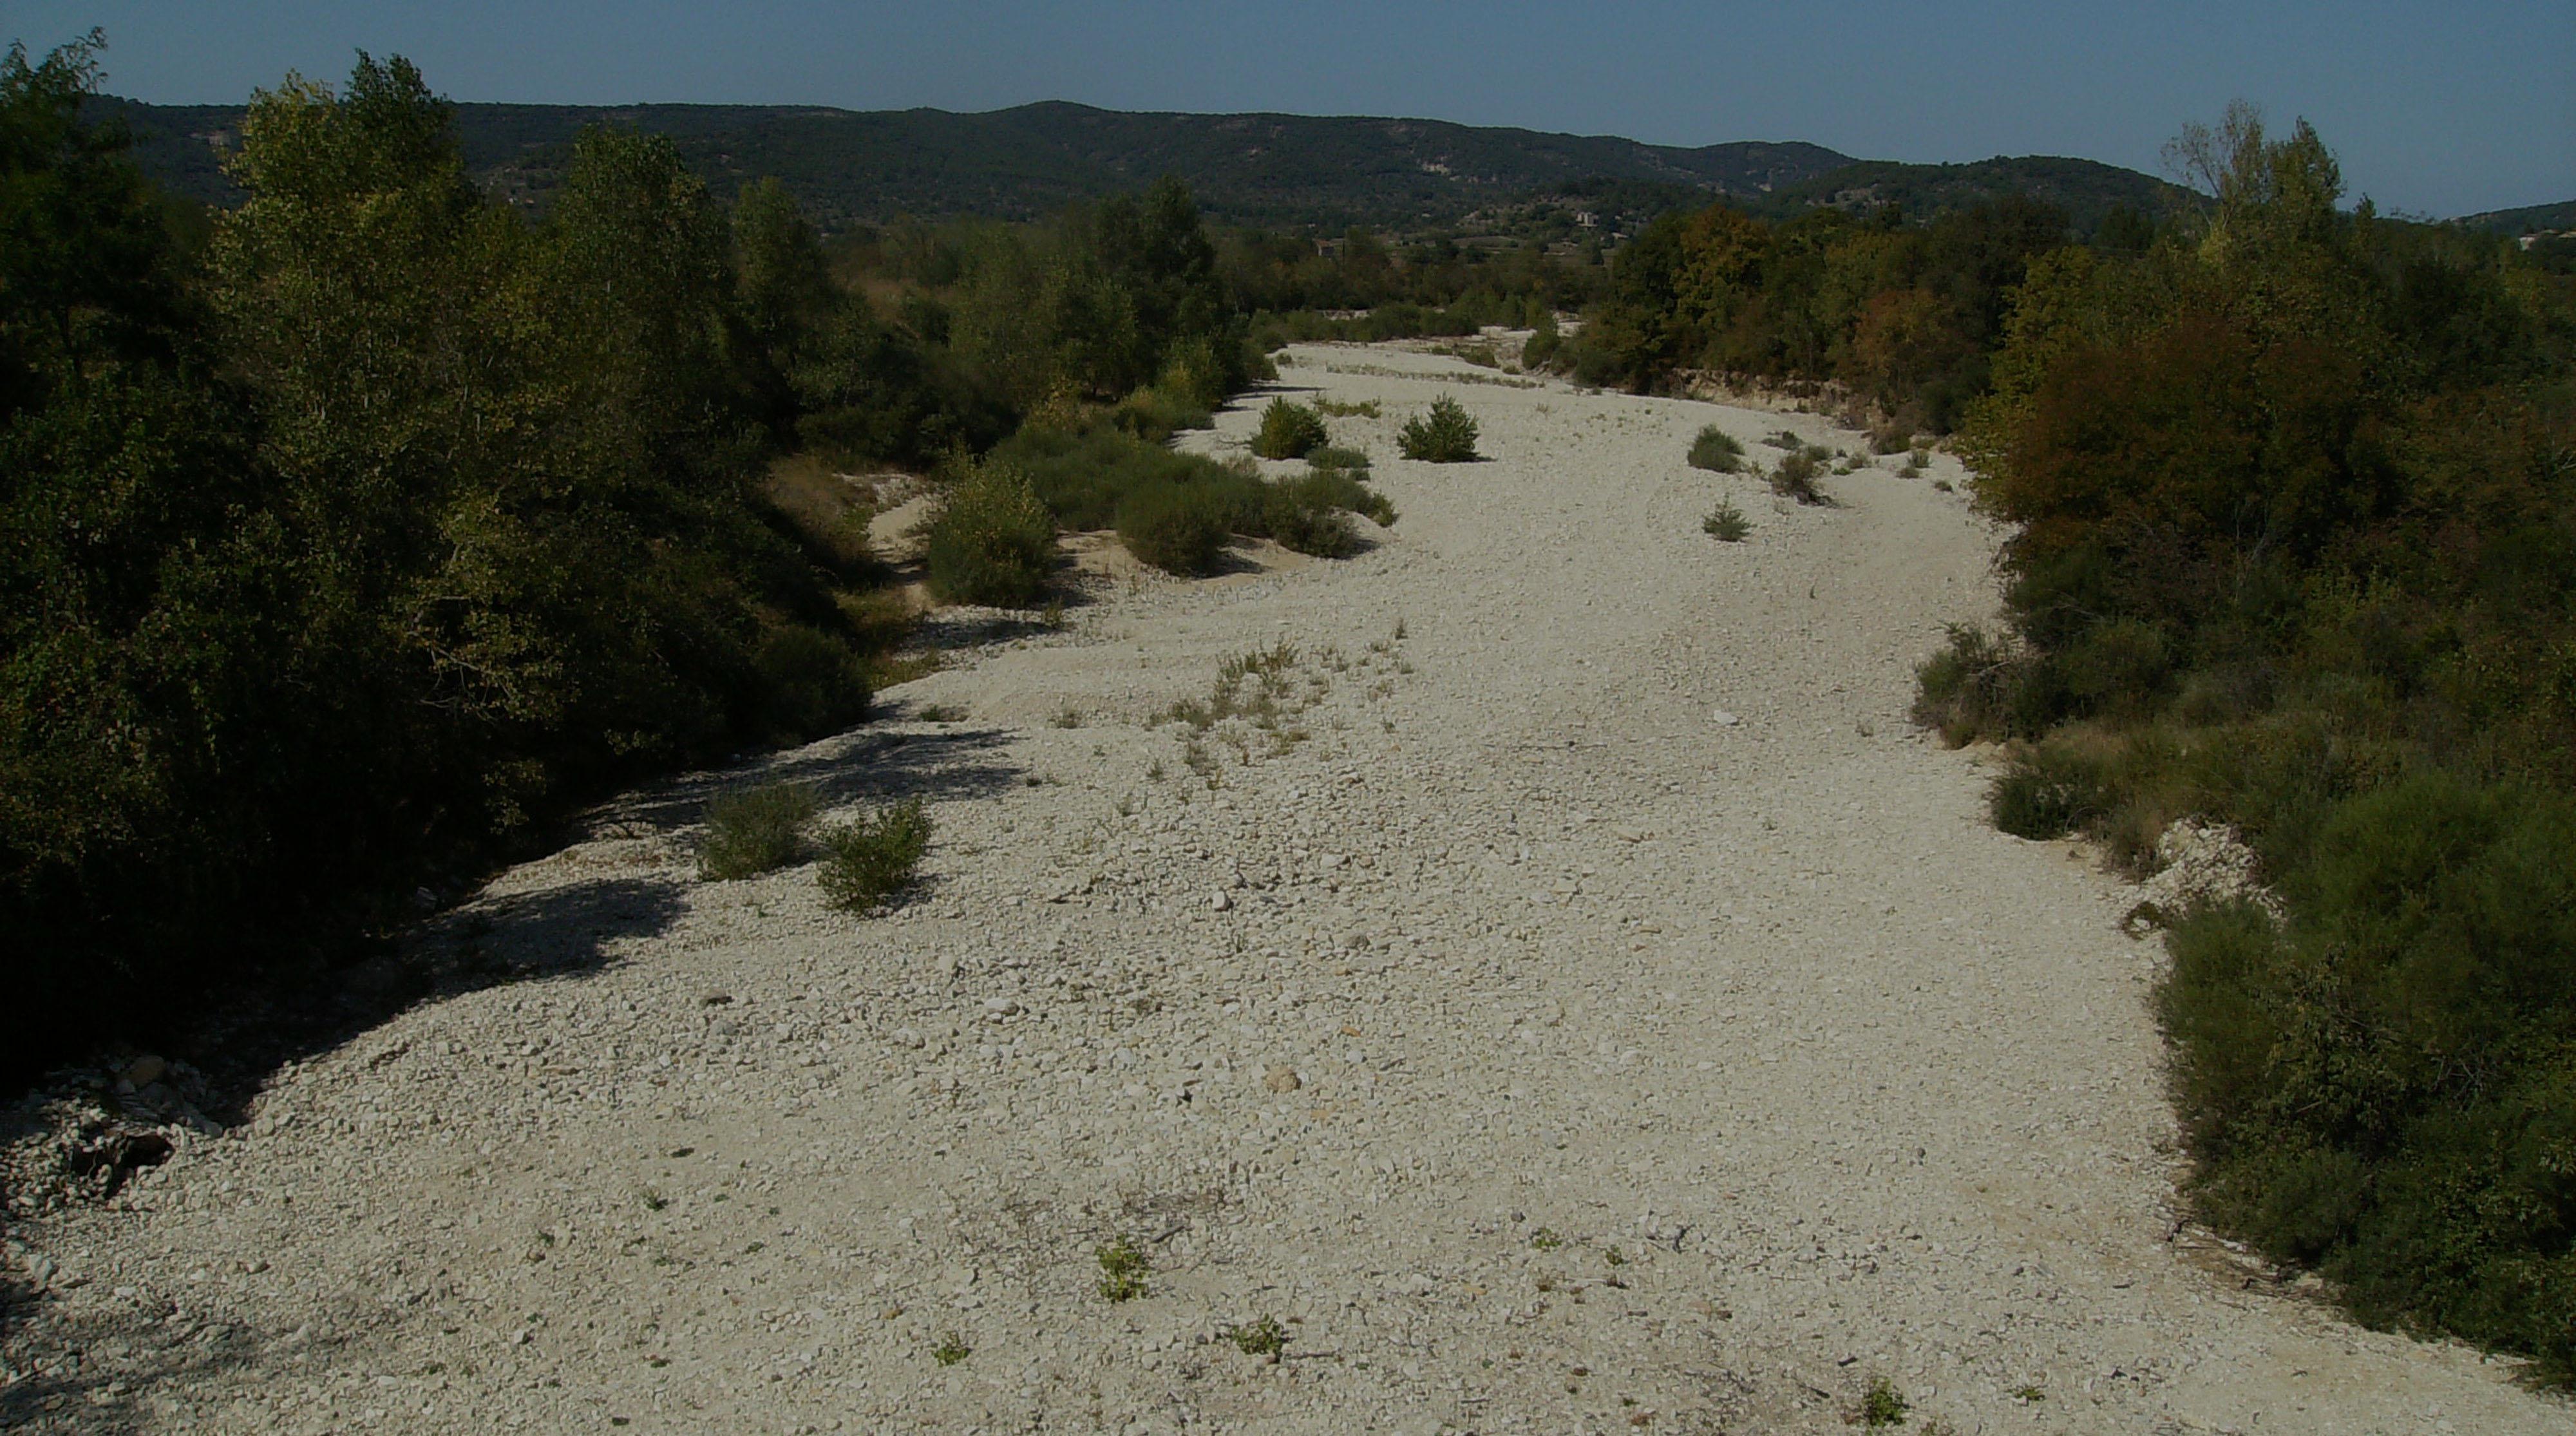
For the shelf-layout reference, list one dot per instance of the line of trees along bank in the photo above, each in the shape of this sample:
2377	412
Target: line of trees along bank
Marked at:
2292	495
356	537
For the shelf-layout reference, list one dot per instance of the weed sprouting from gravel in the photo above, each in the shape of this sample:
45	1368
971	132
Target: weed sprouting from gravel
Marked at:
1546	1239
874	856
754	831
943	713
1122	1270
1067	717
1882	1405
951	1349
1265	1338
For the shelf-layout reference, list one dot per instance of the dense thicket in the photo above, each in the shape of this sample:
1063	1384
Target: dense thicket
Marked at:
355	539
2293	507
1906	315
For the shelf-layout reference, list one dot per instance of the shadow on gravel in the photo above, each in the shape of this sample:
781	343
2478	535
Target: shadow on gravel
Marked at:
872	767
557	933
78	1394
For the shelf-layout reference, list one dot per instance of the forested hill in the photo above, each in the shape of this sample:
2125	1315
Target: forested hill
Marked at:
2087	190
848	165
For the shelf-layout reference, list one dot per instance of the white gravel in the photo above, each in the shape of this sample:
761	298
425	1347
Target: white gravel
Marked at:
1610	1016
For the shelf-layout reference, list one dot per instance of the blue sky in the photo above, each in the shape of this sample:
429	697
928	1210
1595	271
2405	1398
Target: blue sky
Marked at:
2433	108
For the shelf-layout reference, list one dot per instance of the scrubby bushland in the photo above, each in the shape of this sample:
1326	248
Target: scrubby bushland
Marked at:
1717	451
1288	431
1446	434
1179	528
1176	511
1907	316
874	856
2293	505
992	541
1795	476
755	830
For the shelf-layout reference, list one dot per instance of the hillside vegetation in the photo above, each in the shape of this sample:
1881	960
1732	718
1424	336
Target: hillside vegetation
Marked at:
848	166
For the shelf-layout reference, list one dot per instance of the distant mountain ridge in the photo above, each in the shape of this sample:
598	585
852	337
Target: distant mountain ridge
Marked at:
850	166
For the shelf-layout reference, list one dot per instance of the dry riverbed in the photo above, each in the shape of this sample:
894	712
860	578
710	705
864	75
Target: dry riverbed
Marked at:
1585	1005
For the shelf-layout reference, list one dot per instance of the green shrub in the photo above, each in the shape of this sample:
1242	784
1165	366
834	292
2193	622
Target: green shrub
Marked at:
1795	478
1544	343
1123	1266
1890	439
1784	439
1155	415
754	830
1338	409
1082	475
1178	528
1264	1338
1967	690
1726	523
813	681
1288	431
992	542
1340	488
2386	1089
1717	451
1445	435
2046	793
1310	525
873	857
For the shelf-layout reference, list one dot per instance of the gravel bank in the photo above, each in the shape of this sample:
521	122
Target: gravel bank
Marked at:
1589	1007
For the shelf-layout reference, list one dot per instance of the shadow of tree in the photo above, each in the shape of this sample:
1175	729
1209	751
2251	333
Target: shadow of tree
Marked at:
77	1393
566	931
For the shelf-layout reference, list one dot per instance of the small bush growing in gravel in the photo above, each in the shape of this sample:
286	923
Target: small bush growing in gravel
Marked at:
2046	793
1882	1405
1717	451
873	857
1178	528
1445	435
1890	439
951	1349
992	542
1264	1338
1341	489
1310	527
1726	523
1796	478
1288	431
1122	1270
1335	409
754	831
1783	439
1351	460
